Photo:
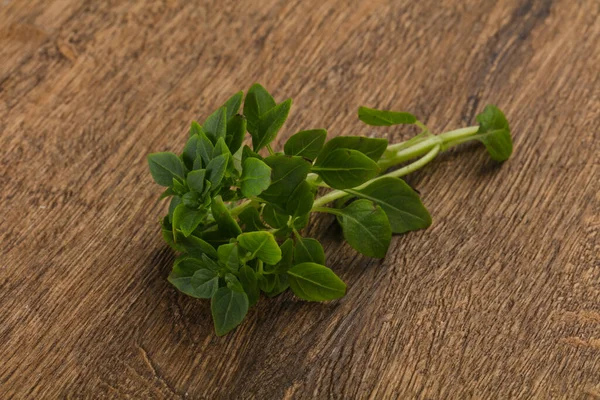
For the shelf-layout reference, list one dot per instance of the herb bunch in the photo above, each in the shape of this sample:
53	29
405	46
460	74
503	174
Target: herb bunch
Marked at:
236	211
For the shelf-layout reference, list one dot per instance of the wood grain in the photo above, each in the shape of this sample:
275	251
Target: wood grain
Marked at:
500	298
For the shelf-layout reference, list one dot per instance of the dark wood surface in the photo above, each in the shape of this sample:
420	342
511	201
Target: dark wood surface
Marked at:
500	298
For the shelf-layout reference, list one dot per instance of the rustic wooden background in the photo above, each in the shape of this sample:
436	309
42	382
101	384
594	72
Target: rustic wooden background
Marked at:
500	298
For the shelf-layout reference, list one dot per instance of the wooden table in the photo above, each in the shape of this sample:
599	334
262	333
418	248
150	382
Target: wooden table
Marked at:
500	298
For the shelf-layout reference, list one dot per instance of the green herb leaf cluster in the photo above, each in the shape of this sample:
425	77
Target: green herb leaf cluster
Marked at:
236	211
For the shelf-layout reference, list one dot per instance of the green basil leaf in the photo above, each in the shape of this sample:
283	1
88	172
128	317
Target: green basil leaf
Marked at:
228	227
178	187
346	168
175	201
189	152
205	283
182	277
372	116
308	250
301	200
280	285
228	256
301	221
314	282
307	144
371	147
167	193
165	167
215	125
250	218
400	202
366	228
236	130
210	263
256	177
233	283
274	218
187	219
247	153
191	200
258	101
269	125
195	128
232	105
249	281
215	170
167	234
220	149
204	149
195	247
287	173
229	308
261	245
287	256
494	133
195	180
266	283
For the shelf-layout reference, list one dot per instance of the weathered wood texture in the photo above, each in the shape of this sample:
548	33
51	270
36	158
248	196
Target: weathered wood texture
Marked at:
500	298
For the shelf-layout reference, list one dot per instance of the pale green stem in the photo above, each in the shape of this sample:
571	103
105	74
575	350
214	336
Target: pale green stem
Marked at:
338	194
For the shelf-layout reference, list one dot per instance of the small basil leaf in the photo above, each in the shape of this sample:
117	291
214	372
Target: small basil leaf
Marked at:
195	247
346	168
179	187
215	170
189	152
195	128
494	133
195	180
247	153
366	228
165	167
287	173
308	250
258	101
266	283
191	277
274	218
187	219
301	200
261	245
236	130
205	283
270	123
229	308
191	200
175	201
301	221
250	218
228	256
400	202
204	148
280	286
220	148
167	193
375	117
215	125
228	227
256	177
232	105
314	282
287	256
371	147
233	283
307	144
247	278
